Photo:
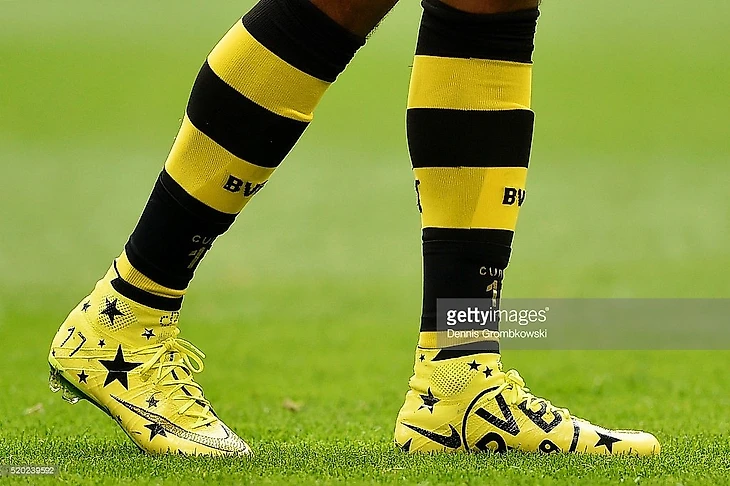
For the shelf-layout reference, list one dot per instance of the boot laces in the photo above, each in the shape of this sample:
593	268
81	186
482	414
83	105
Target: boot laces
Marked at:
175	361
515	392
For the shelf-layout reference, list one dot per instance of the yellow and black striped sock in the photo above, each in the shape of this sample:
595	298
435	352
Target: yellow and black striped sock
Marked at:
251	101
469	134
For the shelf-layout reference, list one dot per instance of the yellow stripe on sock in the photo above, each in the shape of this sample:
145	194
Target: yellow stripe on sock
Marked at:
262	77
134	277
437	339
202	168
469	84
469	197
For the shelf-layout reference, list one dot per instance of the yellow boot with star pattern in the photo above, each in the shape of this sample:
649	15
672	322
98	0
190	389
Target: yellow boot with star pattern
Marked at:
120	350
468	403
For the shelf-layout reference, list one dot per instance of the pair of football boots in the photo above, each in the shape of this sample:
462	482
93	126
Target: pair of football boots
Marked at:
128	360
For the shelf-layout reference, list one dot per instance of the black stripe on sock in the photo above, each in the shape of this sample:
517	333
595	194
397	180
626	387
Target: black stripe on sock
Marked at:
245	129
139	296
448	32
459	138
458	264
304	36
172	226
468	349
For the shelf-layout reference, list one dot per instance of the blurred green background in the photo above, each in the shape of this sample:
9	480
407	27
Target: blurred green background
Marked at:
628	197
627	189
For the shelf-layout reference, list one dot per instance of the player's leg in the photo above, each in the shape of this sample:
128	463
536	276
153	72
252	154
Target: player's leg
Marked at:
358	16
252	99
470	134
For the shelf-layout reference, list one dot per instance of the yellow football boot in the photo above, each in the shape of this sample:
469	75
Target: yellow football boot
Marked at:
469	404
126	358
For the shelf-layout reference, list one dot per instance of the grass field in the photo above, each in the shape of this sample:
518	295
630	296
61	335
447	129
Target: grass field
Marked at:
314	295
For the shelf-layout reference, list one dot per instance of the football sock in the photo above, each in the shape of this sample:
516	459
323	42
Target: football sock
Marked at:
250	103
469	129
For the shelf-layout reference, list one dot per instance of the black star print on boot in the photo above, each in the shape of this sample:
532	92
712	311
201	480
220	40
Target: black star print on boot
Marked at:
118	369
110	310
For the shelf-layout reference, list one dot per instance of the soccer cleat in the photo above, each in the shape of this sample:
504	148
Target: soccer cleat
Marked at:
126	358
469	404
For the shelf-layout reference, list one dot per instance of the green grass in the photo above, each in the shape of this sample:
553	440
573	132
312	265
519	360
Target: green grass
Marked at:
314	295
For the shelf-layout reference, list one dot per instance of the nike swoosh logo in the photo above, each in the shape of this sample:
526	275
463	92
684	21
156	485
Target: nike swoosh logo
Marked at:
230	443
452	441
